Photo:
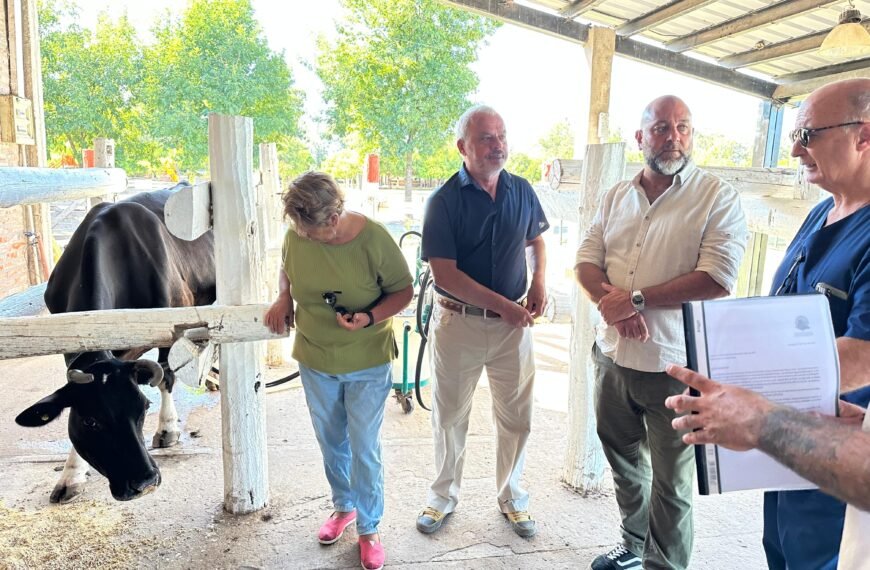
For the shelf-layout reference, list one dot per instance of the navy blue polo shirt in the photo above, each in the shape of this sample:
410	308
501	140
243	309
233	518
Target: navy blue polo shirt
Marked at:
486	237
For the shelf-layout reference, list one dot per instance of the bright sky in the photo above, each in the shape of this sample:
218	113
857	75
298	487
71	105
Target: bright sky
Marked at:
533	80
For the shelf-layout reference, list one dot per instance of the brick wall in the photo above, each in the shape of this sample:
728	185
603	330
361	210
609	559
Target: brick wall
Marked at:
13	244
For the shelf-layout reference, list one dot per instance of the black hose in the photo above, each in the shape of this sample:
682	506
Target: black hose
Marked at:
419	368
425	282
280	381
271	384
409	233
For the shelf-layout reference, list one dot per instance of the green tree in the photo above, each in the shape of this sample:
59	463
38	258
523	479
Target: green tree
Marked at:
398	75
440	164
344	164
558	142
215	59
294	157
91	83
717	150
524	165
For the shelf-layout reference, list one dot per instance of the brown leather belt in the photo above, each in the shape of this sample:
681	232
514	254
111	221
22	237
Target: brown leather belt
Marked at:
464	309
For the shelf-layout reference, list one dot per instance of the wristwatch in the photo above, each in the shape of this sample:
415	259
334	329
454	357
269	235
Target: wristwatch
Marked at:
371	319
637	300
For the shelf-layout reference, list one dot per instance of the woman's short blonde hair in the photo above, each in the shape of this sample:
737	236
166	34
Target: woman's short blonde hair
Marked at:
312	199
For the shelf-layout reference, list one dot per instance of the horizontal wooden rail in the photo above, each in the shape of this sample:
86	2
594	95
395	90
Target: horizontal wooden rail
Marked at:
22	186
123	329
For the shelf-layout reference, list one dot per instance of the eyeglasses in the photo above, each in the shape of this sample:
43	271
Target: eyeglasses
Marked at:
803	135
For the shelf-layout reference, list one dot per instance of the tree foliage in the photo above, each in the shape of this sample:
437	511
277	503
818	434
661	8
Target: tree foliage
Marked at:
524	165
717	150
398	75
90	82
558	142
154	99
215	59
440	164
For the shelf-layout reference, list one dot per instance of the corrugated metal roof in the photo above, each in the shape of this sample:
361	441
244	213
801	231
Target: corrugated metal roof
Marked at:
818	17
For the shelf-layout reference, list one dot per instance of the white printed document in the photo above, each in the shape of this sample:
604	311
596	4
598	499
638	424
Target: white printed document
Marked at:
781	347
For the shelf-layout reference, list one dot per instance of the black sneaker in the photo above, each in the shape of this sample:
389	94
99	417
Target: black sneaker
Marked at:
620	558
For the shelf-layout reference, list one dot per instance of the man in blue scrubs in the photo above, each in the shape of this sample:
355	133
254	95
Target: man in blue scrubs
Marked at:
830	254
479	228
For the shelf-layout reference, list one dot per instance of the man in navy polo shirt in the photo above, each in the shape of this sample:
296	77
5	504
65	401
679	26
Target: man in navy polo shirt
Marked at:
479	227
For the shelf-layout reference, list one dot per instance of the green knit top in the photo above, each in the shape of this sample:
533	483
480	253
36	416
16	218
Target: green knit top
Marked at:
363	270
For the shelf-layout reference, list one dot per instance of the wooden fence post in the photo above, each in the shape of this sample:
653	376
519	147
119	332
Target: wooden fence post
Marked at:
239	274
271	215
583	470
104	157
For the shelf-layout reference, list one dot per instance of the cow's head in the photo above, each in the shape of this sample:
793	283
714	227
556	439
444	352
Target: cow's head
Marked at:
107	411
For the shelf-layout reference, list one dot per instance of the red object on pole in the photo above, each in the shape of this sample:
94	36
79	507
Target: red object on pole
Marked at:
87	158
374	168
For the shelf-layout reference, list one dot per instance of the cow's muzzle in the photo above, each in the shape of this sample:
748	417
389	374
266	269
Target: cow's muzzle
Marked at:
135	490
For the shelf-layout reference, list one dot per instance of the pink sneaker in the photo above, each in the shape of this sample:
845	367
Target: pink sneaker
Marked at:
371	554
334	526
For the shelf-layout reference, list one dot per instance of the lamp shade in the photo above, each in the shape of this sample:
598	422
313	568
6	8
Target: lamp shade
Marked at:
848	39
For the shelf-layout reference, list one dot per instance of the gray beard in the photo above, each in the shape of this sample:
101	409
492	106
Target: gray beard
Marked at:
667	167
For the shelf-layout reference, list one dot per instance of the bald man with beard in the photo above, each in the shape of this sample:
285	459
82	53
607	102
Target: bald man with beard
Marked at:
672	234
830	254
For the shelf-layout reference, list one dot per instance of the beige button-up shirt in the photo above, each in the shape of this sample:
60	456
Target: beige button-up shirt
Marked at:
696	225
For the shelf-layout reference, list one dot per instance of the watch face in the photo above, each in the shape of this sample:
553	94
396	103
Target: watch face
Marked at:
637	299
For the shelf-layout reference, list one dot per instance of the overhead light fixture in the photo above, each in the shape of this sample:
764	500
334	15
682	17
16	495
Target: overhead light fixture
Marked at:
848	39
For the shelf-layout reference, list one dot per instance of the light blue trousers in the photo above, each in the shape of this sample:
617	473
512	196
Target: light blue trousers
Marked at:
347	411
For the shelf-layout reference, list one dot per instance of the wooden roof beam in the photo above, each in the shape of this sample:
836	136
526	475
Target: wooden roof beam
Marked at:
660	15
576	32
693	67
525	17
577	7
750	21
779	50
801	89
829	70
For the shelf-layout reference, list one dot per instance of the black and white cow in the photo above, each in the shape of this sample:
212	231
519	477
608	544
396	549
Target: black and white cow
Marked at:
122	256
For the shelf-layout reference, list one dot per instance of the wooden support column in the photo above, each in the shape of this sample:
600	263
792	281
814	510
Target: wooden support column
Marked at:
238	271
36	154
583	471
599	53
271	213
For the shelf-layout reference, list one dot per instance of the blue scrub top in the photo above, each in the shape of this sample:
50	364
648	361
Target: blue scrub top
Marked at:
802	529
836	259
486	237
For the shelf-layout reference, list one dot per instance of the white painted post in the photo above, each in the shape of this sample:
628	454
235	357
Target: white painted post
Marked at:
238	268
583	470
271	212
104	157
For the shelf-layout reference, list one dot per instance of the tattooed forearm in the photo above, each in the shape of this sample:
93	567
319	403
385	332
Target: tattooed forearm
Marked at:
834	456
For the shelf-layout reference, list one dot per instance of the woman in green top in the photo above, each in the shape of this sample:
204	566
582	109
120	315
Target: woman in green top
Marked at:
348	278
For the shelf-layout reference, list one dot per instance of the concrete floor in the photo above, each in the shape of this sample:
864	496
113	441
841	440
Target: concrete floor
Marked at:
182	524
